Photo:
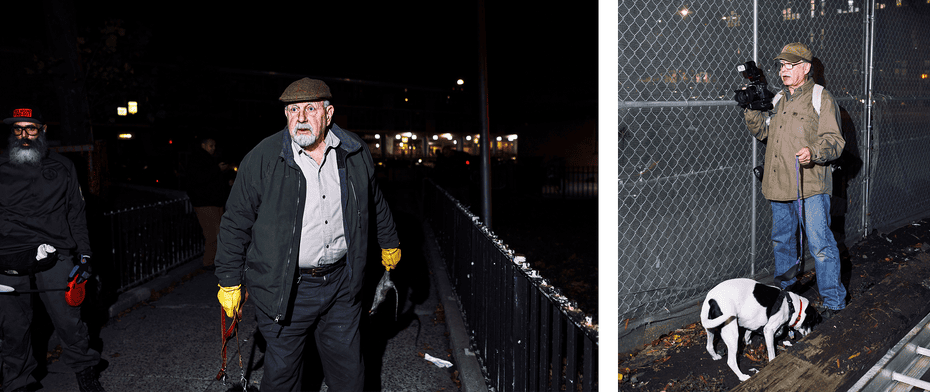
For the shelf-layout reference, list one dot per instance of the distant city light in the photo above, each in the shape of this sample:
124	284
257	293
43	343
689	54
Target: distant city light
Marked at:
125	135
460	82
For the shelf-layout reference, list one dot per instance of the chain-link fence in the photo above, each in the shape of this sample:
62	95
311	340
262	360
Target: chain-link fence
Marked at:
691	213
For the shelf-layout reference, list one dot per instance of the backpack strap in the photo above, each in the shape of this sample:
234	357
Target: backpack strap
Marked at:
816	97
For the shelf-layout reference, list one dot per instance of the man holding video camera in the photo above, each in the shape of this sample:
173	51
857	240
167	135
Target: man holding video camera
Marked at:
800	142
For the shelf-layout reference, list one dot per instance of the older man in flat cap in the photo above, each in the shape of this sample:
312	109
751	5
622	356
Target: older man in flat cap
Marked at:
802	140
295	233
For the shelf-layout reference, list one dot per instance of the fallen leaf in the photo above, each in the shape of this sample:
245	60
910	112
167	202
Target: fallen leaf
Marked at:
852	356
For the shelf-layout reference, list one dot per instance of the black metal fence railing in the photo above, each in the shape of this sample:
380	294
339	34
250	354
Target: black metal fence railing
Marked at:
150	239
570	182
527	335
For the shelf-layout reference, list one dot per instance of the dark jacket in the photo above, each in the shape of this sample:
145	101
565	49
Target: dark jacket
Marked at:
41	205
206	185
821	133
259	238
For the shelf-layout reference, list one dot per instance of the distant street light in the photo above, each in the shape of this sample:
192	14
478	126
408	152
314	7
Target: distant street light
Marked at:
460	82
133	108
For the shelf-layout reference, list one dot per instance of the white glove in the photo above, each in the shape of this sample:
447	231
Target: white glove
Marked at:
43	251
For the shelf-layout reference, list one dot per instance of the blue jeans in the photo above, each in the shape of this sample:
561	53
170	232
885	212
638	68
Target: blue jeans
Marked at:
821	244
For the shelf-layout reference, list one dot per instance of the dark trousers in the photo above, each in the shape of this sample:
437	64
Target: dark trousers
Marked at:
209	218
16	321
325	309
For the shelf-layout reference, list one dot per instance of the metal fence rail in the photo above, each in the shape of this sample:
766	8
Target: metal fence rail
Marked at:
528	336
691	214
150	239
571	182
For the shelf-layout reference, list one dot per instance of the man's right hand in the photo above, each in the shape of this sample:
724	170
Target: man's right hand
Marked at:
230	298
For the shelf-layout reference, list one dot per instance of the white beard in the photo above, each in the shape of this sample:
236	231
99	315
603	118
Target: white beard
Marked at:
305	139
31	155
19	156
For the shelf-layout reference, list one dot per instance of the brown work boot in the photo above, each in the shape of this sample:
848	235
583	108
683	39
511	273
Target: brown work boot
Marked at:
88	380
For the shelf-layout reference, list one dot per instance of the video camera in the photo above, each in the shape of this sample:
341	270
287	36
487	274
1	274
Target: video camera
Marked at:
755	96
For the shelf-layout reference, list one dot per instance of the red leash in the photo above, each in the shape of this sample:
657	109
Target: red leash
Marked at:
225	335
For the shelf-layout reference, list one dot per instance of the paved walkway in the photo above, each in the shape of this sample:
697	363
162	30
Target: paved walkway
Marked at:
171	341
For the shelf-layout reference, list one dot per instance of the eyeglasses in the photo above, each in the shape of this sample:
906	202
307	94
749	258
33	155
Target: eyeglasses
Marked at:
790	65
31	130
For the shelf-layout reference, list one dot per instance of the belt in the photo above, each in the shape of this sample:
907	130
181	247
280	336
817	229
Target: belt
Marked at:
324	270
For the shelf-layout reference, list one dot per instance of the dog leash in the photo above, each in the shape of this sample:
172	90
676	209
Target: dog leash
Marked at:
225	335
793	271
797	172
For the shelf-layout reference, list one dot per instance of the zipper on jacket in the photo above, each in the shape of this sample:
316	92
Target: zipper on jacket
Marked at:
290	249
358	210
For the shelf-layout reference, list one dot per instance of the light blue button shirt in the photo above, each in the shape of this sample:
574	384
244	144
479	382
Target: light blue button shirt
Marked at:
322	235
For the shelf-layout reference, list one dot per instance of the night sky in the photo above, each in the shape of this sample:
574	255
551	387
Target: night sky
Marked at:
536	56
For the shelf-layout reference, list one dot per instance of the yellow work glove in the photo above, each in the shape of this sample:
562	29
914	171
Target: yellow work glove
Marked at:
230	297
390	257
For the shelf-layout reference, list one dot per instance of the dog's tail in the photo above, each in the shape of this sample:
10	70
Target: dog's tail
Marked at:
712	316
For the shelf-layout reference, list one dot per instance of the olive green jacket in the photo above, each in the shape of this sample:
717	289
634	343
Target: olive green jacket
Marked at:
794	125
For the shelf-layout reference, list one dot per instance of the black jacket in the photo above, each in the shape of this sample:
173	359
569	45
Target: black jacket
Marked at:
259	237
41	205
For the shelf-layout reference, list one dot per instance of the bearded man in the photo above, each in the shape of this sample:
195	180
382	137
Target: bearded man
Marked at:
295	233
43	236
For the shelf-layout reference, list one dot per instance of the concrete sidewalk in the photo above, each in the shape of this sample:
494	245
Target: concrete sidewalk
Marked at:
166	334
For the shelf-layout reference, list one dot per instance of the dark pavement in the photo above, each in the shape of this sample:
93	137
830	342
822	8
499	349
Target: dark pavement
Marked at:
887	276
166	335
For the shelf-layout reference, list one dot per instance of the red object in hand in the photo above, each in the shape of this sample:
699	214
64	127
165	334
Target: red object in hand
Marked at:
75	294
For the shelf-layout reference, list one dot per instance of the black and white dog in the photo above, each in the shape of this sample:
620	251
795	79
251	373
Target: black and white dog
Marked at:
751	305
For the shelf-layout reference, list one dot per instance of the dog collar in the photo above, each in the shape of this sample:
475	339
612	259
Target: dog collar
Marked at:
800	312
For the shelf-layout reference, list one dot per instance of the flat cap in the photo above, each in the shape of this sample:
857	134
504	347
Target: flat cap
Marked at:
795	52
24	113
305	90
